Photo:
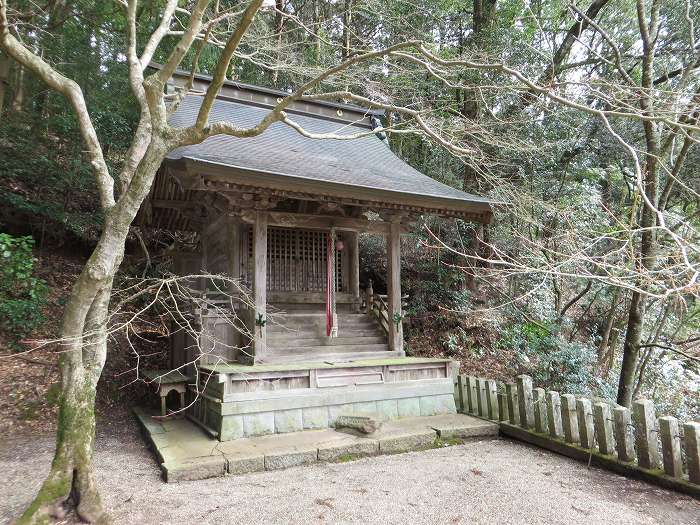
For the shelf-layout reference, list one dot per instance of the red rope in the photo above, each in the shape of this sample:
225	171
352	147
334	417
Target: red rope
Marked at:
329	284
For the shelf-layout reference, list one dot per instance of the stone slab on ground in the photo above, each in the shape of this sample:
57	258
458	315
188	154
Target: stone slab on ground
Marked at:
194	469
451	427
187	453
350	450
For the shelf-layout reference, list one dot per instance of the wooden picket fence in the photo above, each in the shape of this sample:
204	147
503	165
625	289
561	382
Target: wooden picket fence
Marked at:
632	442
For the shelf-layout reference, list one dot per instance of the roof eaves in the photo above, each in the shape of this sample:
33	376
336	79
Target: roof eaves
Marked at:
470	204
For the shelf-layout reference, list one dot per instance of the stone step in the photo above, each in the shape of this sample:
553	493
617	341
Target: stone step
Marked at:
328	349
281	341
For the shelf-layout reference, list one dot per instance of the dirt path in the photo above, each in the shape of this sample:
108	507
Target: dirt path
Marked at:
487	481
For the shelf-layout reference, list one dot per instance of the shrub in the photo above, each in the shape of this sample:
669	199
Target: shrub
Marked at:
552	362
21	294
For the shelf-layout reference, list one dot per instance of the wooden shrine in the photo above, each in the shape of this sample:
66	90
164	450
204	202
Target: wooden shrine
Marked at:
282	213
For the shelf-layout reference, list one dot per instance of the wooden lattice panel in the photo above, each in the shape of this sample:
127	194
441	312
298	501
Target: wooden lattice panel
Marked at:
296	260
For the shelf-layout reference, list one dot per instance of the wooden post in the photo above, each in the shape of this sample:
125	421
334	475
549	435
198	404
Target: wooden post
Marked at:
503	414
492	399
234	252
527	415
645	438
473	387
603	428
554	414
370	297
585	422
623	433
353	248
260	284
512	395
671	446
540	407
394	287
691	439
569	418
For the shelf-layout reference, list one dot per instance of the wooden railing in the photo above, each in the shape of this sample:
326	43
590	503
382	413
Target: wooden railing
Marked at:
378	305
631	442
380	308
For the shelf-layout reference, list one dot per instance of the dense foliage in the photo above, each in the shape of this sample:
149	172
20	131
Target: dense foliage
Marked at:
566	246
22	295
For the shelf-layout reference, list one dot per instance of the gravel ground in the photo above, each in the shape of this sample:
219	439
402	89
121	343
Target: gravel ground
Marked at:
485	481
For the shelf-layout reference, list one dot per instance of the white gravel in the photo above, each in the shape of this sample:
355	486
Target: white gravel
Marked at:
487	481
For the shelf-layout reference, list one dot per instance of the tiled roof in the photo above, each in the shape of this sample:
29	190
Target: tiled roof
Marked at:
282	152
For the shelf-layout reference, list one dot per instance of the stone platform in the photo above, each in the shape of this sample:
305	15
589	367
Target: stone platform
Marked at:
185	452
234	401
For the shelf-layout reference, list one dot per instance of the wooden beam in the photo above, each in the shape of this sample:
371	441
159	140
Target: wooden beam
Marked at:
393	245
321	222
260	283
217	177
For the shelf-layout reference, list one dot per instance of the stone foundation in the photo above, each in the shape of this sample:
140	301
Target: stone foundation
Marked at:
405	388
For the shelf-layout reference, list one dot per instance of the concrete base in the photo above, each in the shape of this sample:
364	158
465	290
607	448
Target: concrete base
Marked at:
187	453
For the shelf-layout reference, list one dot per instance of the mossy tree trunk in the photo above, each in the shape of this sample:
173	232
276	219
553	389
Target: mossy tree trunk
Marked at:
83	354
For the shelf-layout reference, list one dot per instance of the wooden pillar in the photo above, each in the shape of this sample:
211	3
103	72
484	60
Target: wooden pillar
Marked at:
353	247
234	251
260	284
370	297
393	245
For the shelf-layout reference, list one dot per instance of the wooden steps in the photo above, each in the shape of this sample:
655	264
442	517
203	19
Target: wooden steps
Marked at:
282	341
302	336
341	357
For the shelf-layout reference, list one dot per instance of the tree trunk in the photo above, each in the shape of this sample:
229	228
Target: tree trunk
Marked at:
71	476
609	323
630	350
18	100
5	62
84	339
347	21
279	27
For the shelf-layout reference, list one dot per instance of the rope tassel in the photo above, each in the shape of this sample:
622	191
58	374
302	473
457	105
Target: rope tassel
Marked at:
331	316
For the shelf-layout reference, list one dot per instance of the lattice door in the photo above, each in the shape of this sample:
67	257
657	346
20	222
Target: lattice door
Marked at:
296	260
